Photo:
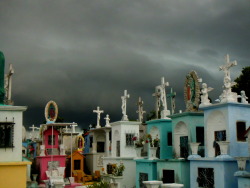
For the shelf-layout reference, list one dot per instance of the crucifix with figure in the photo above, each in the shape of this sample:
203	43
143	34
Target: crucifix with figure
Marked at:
98	112
164	111
124	105
140	110
171	96
227	66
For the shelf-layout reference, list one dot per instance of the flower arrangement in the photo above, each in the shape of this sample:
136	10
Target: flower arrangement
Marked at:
138	142
118	169
153	142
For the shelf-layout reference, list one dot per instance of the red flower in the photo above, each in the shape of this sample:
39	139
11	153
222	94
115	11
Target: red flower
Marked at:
146	141
134	138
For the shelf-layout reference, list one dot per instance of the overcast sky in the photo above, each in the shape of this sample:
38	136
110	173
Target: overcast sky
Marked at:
84	53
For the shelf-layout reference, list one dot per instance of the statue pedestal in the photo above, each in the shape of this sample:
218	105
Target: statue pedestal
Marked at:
164	114
152	153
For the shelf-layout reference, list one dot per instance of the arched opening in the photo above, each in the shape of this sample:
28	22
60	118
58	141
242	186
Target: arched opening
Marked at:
181	140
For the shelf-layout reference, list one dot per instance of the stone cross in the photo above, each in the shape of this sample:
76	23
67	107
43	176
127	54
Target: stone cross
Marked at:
157	95
107	121
140	110
162	87
98	112
124	105
33	131
227	66
172	95
8	85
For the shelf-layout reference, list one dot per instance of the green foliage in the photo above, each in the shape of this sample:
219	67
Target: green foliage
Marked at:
243	82
101	184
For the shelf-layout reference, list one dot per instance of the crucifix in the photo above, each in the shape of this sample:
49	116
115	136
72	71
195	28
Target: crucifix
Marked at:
163	100
73	127
140	110
33	131
124	105
98	112
157	95
172	95
227	66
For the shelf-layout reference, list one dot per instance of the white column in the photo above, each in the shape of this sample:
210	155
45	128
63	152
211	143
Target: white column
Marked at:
94	144
107	142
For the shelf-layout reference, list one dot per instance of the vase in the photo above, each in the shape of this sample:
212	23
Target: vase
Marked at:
223	149
152	153
194	148
152	184
241	162
138	152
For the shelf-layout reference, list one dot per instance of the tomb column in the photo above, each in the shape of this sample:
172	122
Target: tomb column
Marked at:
107	142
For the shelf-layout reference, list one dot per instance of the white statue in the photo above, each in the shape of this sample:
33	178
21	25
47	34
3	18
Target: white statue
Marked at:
107	121
8	85
124	105
164	112
140	110
228	95
157	95
243	97
204	95
98	111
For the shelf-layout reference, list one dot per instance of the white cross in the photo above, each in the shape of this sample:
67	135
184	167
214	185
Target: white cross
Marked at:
90	126
163	93
98	111
124	105
33	131
227	66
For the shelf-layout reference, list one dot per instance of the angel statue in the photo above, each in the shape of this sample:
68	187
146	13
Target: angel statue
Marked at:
204	94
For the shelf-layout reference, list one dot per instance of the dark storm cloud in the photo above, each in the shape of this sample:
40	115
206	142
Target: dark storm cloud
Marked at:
83	54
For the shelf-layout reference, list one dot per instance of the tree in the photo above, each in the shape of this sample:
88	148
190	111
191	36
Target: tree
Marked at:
243	82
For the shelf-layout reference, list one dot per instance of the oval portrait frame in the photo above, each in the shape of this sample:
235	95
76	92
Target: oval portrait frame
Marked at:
46	112
192	105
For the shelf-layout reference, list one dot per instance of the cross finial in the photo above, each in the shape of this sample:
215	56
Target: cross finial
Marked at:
157	96
98	112
227	66
124	105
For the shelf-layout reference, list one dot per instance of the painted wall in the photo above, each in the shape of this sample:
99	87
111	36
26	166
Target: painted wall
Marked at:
185	124
243	182
161	127
13	174
13	113
146	166
180	167
224	117
223	172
